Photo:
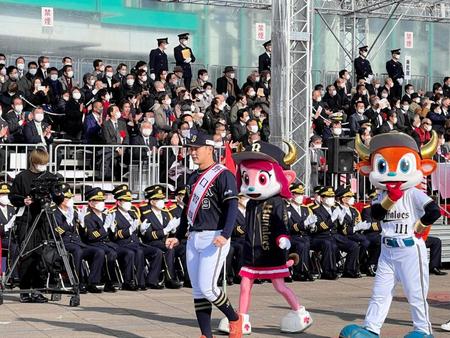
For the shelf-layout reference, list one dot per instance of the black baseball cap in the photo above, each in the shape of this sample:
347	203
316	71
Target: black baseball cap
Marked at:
200	140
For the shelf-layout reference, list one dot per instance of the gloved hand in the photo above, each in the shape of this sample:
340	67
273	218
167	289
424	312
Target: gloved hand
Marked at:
289	214
393	191
134	226
81	214
342	216
10	224
310	220
188	60
400	81
335	214
144	226
109	221
284	243
362	226
370	77
152	76
173	224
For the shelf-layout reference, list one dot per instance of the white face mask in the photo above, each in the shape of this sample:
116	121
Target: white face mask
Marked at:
130	82
427	127
254	129
125	206
223	134
151	120
109	74
47	65
298	199
394	121
123	72
32	71
222	105
146	132
257	79
328	201
159	204
118	115
21	66
69	203
76	95
70	73
208	91
186	133
39	117
4	200
99	206
107	97
41	167
92	82
337	131
405	108
18	109
168	102
384	95
361	110
268	78
205	78
232	75
334	92
54	77
252	93
351	201
377	86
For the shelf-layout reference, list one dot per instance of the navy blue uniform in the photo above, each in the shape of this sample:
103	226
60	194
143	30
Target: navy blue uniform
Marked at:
8	240
264	62
362	68
97	236
300	239
329	241
179	52
372	235
154	236
130	241
158	62
347	229
79	250
395	72
235	258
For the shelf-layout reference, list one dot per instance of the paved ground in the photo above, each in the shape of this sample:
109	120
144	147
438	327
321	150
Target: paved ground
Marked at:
169	313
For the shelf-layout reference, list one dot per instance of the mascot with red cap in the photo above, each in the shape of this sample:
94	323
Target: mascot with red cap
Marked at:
396	167
263	177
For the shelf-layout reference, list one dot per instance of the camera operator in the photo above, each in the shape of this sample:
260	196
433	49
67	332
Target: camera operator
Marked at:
20	197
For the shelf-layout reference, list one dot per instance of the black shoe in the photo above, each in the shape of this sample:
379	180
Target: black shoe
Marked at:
157	286
131	286
92	288
25	298
438	272
173	284
371	270
187	284
83	289
230	281
329	276
142	287
38	298
351	275
237	279
109	287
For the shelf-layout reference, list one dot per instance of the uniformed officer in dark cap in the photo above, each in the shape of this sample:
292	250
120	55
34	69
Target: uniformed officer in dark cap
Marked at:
394	69
326	239
159	225
97	234
158	59
265	59
180	192
363	69
7	218
315	197
301	222
124	227
184	57
69	224
373	236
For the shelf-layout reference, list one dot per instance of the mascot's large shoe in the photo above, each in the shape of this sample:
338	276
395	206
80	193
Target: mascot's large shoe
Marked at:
418	334
356	331
224	325
296	321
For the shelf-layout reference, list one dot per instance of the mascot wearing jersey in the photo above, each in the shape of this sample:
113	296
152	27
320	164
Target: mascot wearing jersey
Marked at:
261	177
396	167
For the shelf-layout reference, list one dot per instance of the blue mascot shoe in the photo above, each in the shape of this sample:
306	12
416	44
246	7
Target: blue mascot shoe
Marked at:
418	334
356	331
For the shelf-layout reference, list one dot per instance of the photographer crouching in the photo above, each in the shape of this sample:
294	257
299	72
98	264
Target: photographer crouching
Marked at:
21	197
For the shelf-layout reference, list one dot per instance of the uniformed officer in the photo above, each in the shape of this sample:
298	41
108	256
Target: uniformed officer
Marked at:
363	69
373	236
326	231
125	222
315	199
301	221
158	59
97	234
184	57
394	69
69	224
7	218
264	60
158	225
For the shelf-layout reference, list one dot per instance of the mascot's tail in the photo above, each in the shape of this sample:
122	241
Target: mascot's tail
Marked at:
292	260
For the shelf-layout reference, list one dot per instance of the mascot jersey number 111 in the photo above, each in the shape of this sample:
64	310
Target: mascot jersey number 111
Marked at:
396	168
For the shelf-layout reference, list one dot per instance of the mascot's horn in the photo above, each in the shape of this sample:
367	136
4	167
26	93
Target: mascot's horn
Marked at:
291	156
429	149
362	150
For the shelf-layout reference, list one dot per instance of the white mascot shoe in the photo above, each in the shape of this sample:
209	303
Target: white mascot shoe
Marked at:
296	321
224	325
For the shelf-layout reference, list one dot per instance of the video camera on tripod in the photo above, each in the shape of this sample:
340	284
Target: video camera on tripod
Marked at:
44	187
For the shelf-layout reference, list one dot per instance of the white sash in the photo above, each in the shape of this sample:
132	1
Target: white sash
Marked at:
199	190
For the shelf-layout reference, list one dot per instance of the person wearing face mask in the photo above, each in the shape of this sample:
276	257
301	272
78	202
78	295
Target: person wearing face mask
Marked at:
97	234
67	80
20	64
109	83
351	224
390	123
15	76
92	125
160	224
227	85
38	131
55	86
163	111
69	226
334	129
363	69
252	82
301	223
66	61
215	113
344	75
44	65
32	71
394	69
202	78
145	137
239	128
332	99
126	227
265	59
437	118
99	69
20	196
121	73
16	121
184	57
158	58
422	135
409	90
328	215
240	103
354	119
73	119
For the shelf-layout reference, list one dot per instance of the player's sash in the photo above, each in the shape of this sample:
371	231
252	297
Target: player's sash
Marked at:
199	190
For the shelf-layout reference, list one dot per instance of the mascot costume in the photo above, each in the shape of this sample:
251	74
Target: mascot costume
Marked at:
396	167
260	176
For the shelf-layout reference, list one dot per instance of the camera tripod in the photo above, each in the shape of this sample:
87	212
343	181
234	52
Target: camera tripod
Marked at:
49	221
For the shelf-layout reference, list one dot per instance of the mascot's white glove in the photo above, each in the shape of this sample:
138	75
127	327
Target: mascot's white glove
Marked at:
144	226
109	221
284	243
310	220
336	214
362	226
172	226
